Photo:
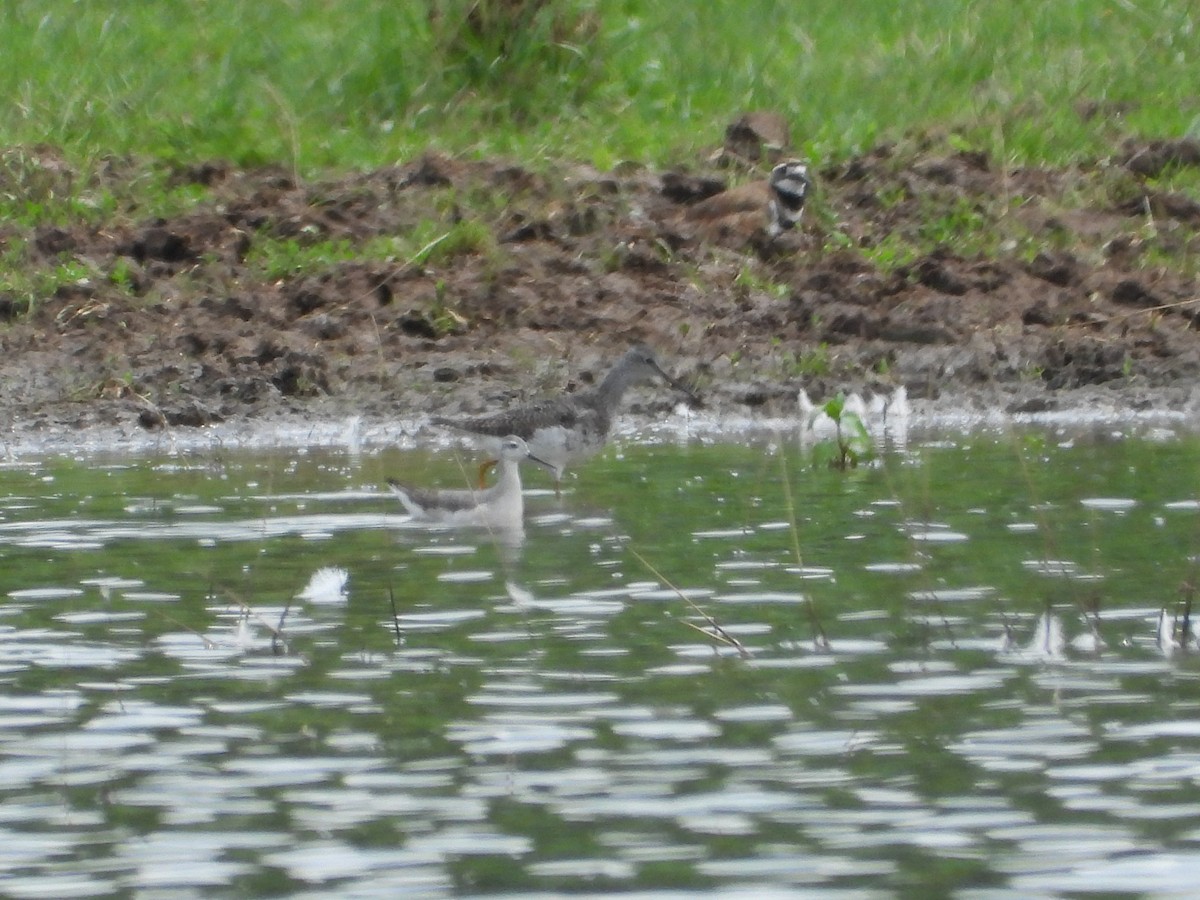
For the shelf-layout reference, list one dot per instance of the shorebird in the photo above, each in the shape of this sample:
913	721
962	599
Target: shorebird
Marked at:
500	506
567	428
741	211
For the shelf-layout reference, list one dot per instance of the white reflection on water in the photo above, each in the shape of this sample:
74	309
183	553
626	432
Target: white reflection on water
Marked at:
1046	643
326	585
1133	868
1109	504
387	869
92	534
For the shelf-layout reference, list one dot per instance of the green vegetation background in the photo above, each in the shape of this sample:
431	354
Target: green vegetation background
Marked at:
336	84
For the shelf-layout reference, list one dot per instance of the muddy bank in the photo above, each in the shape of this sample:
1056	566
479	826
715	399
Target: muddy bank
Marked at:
446	285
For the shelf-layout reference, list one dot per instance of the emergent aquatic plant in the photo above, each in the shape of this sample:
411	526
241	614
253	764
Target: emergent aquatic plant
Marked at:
850	443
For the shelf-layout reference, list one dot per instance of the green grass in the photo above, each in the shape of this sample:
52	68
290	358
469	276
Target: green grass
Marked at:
362	83
430	243
276	259
23	286
812	362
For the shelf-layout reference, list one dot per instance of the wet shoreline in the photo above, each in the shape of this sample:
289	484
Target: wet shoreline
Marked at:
1079	413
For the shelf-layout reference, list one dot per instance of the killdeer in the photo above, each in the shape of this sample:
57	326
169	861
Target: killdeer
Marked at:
776	204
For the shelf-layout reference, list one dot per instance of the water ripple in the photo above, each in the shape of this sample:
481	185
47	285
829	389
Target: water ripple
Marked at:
212	687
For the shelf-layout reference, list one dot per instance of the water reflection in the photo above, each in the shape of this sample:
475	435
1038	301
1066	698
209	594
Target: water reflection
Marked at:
274	682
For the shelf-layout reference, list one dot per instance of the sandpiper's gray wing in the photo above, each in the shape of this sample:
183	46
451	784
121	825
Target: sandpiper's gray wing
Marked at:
522	421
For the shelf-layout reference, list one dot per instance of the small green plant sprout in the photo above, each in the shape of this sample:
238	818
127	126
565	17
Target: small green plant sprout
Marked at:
123	276
850	443
891	253
445	319
837	239
814	361
748	282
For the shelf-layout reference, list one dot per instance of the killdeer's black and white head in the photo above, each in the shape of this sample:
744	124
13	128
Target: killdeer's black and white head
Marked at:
788	184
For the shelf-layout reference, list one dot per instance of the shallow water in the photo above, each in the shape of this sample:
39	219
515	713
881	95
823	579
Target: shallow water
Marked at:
958	671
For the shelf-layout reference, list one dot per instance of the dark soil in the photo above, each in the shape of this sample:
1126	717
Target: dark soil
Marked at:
1082	290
